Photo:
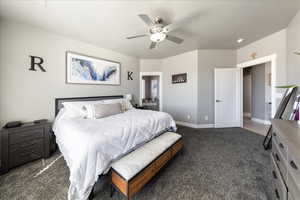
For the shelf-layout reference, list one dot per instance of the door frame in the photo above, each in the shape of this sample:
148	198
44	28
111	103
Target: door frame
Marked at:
273	60
160	74
238	100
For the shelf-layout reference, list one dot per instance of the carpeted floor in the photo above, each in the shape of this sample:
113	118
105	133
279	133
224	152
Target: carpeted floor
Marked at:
216	164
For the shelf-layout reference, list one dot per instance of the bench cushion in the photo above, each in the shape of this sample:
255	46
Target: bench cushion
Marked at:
134	162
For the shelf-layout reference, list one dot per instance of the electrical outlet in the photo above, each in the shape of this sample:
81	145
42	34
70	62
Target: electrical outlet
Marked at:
206	117
188	116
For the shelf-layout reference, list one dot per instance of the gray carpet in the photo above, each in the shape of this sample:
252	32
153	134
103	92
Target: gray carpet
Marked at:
216	164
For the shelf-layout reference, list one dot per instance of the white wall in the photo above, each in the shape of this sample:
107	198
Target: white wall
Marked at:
247	91
272	44
207	61
258	102
150	65
196	97
293	44
268	72
268	90
27	95
180	100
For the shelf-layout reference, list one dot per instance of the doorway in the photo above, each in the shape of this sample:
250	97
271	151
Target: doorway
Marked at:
274	96
257	97
222	84
151	90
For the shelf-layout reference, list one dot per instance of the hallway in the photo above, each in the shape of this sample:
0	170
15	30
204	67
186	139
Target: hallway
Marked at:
259	128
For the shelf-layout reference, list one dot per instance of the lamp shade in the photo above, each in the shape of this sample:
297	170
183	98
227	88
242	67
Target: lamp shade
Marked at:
128	97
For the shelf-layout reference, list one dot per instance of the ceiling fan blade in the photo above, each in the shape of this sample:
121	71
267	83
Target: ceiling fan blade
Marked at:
152	45
136	36
174	39
178	24
146	19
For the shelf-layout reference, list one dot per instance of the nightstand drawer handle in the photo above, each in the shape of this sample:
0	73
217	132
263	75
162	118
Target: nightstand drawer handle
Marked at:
293	165
277	194
25	136
28	154
281	145
274	174
24	154
27	145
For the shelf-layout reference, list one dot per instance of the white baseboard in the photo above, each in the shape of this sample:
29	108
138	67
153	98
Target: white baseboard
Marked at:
188	124
227	125
261	121
192	125
246	114
205	125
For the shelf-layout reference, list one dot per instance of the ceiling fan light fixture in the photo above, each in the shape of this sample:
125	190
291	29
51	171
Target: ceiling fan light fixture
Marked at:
240	40
158	31
158	37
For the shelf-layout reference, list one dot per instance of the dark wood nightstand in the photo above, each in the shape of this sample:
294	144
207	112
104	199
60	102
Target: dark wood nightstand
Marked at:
140	107
26	143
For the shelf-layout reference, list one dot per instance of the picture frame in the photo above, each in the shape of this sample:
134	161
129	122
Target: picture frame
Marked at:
179	78
84	69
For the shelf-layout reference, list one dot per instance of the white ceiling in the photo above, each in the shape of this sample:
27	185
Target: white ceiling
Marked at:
217	25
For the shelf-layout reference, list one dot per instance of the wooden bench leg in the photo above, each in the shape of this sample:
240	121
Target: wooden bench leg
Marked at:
181	152
112	190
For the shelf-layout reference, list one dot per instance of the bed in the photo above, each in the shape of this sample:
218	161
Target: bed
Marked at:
90	146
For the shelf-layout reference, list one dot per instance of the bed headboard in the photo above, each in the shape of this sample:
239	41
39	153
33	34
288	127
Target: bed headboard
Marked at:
59	101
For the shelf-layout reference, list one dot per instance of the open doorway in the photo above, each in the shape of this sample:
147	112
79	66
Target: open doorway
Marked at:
257	97
151	90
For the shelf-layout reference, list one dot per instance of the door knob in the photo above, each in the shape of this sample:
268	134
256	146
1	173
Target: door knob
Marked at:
218	101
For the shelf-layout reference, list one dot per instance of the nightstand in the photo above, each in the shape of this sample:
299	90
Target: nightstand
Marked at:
140	107
26	143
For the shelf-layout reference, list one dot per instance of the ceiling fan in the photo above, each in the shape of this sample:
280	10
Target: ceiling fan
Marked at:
158	31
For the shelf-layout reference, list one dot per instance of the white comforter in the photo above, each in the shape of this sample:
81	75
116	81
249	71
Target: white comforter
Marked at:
90	146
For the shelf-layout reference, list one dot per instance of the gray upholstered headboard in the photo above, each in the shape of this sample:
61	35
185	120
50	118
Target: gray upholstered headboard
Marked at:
59	101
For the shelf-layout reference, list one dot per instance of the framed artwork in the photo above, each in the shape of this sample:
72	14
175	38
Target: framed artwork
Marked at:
179	78
82	69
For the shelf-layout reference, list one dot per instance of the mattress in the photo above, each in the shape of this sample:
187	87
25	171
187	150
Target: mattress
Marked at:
89	146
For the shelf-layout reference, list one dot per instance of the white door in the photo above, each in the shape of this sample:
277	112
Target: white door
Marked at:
227	97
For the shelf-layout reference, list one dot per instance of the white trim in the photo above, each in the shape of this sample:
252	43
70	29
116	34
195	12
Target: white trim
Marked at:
239	110
227	125
271	58
246	114
261	121
192	125
205	126
160	74
188	124
48	166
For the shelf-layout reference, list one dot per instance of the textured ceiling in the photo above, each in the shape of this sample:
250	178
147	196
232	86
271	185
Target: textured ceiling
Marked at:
217	24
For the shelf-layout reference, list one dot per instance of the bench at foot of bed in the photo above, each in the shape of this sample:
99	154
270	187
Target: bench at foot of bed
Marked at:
132	172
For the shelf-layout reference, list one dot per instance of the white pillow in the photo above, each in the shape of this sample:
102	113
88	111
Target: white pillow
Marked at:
113	101
100	110
76	108
128	105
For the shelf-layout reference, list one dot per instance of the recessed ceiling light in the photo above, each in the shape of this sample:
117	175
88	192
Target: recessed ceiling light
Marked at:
297	53
240	40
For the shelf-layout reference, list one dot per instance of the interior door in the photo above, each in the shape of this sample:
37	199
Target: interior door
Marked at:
227	97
